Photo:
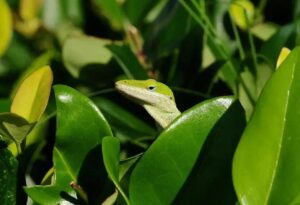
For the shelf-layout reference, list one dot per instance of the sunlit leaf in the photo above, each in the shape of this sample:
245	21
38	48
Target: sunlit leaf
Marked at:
264	31
282	56
166	165
81	51
5	26
216	154
266	167
32	96
77	152
242	13
56	12
39	62
29	9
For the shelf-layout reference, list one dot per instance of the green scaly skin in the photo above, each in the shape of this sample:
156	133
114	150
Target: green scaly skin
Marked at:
155	97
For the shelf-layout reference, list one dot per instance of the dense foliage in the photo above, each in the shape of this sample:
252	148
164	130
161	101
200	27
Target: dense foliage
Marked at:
68	137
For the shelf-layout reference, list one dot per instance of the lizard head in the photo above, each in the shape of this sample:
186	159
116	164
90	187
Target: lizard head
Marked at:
145	91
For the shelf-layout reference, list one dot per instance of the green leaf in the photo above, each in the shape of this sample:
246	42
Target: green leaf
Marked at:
273	46
136	16
29	9
264	30
128	61
242	13
18	49
8	177
210	181
112	11
5	105
167	31
111	157
6	26
14	126
81	51
80	129
266	167
39	62
122	120
165	166
32	95
55	12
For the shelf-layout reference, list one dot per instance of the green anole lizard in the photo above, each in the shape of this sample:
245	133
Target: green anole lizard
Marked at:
155	97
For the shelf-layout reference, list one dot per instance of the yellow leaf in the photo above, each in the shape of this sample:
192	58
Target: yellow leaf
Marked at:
29	9
5	26
282	56
32	96
27	28
242	13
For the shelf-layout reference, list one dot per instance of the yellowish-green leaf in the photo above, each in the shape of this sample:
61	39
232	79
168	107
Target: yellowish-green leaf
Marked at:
28	28
29	12
5	26
29	9
282	56
264	30
32	96
242	13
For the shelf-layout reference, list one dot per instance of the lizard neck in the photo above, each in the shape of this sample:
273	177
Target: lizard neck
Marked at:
163	116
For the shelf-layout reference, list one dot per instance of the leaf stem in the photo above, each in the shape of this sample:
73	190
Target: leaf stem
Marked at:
251	41
261	6
218	45
238	39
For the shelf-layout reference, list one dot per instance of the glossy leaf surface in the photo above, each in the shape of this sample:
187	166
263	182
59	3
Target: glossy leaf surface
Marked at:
210	181
8	176
266	167
165	166
32	96
6	26
76	57
81	127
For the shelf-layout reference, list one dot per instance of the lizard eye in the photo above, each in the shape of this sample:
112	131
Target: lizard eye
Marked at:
151	87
